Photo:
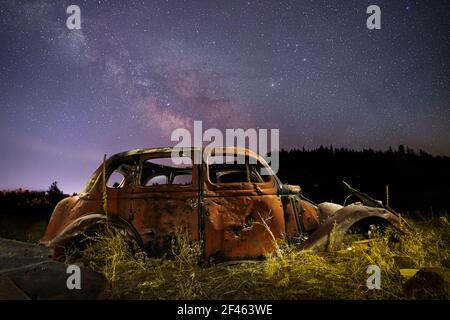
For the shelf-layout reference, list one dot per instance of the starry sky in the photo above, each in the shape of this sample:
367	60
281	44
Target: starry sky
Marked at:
136	70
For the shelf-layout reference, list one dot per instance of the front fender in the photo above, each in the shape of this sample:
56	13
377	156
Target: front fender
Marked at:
60	217
343	219
91	223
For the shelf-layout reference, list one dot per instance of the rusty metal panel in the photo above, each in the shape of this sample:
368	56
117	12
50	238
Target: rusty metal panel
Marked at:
67	211
159	217
242	219
342	220
310	216
291	217
234	225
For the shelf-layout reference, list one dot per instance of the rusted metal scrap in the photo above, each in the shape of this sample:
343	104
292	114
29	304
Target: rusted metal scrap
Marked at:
235	211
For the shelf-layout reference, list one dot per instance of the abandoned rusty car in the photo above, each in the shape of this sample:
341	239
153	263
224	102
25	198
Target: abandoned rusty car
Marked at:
234	210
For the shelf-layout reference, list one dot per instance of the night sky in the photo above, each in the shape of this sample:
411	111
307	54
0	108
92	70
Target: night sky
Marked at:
139	69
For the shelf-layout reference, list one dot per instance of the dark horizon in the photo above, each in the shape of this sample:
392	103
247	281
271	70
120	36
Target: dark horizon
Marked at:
406	150
136	71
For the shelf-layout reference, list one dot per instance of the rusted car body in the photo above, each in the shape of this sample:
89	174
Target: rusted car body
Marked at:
234	210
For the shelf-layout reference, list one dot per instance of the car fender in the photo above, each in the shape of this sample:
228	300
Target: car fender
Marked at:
94	222
340	222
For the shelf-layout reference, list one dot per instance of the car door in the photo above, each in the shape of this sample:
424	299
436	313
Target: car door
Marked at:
165	201
243	213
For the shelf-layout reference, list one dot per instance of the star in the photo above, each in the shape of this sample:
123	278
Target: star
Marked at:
136	73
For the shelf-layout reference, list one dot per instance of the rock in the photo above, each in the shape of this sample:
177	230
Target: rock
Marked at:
404	262
429	283
9	291
26	272
48	280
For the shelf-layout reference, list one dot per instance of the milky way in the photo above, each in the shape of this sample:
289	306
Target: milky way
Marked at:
136	70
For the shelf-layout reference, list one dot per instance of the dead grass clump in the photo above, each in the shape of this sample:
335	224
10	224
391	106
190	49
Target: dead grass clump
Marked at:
343	274
110	254
135	275
428	242
186	253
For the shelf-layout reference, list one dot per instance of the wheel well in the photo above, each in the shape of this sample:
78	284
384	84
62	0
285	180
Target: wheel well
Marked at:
365	225
82	236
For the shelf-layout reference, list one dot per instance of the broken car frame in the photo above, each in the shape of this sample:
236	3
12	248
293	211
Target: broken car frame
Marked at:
231	208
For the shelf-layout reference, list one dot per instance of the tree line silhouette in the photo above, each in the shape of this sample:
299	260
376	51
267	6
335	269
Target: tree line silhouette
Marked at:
417	181
31	203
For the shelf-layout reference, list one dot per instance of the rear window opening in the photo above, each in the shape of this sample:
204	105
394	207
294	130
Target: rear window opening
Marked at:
235	169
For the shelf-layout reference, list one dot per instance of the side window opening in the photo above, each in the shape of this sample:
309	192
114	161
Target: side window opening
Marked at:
115	180
157	180
184	179
122	175
234	169
166	171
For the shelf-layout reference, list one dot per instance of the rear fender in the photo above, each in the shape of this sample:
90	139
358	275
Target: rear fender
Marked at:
344	219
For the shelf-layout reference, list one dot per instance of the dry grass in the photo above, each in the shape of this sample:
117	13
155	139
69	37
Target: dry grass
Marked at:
288	273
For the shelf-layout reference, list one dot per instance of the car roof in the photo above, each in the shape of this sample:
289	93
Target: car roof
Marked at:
143	151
